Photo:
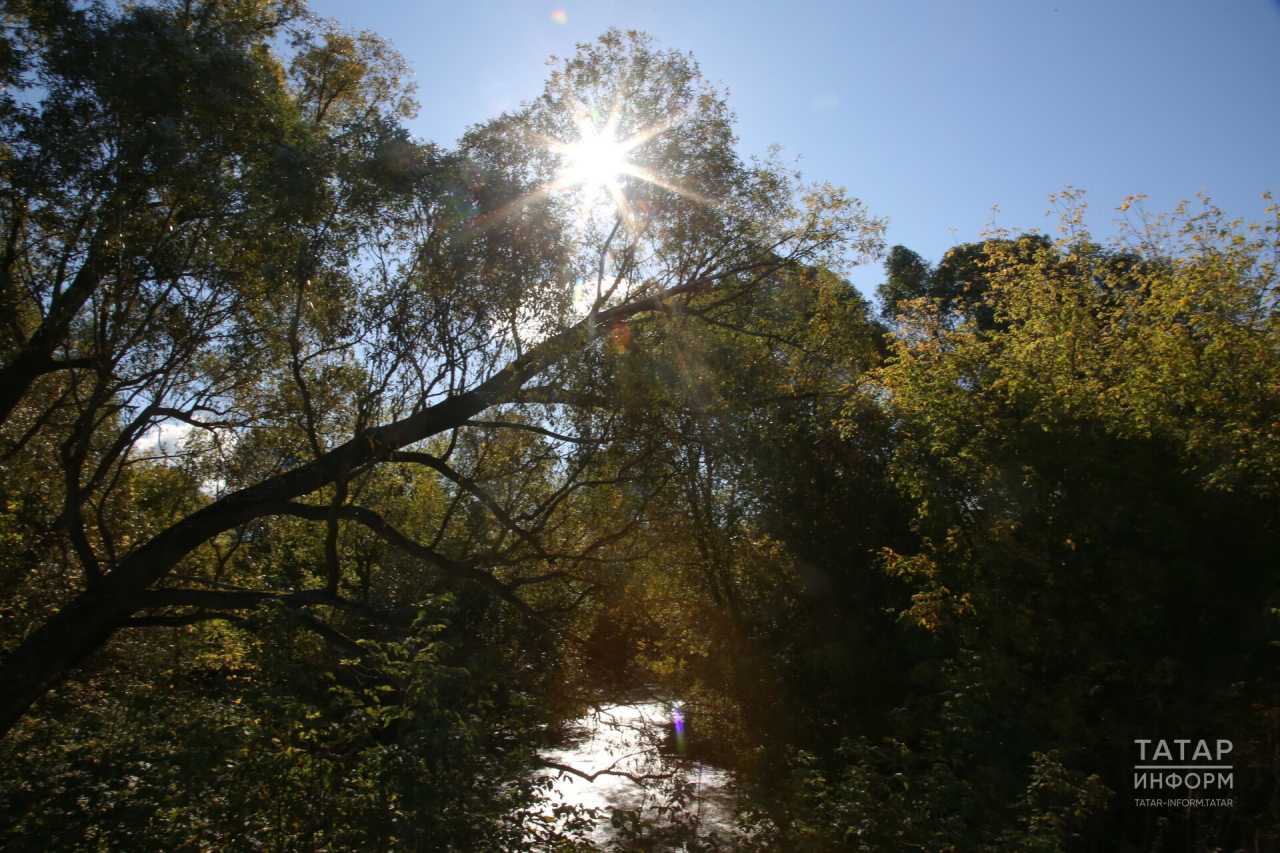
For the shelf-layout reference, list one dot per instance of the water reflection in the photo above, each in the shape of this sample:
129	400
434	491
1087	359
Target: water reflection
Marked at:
626	761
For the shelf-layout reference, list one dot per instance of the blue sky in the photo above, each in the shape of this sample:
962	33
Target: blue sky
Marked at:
930	111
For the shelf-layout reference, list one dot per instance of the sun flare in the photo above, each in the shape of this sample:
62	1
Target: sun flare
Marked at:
594	161
599	159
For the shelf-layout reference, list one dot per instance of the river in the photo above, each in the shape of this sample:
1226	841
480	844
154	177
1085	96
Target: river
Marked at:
642	788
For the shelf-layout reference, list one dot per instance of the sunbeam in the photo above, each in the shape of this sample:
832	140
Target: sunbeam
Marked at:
598	160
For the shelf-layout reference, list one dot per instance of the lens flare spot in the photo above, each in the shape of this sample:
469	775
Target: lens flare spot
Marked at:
620	335
677	723
559	16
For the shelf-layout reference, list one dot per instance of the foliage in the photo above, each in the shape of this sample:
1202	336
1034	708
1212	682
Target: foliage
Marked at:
958	284
1088	559
1096	509
274	744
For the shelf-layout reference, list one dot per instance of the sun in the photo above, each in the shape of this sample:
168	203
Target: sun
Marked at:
598	164
595	160
599	160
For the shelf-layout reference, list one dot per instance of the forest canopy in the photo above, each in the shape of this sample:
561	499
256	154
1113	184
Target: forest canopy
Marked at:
341	468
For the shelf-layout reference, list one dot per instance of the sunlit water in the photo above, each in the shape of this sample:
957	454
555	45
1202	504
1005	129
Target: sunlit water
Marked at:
632	750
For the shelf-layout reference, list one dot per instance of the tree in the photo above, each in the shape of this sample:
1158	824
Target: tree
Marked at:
1095	488
957	285
255	248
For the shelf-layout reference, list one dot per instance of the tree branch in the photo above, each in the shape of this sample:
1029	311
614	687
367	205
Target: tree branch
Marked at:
608	771
471	486
539	430
89	619
179	621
